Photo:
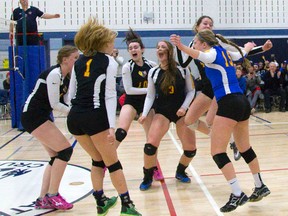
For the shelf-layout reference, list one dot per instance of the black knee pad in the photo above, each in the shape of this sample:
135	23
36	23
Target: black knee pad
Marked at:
248	155
149	149
221	160
114	167
65	154
100	164
190	154
51	161
120	134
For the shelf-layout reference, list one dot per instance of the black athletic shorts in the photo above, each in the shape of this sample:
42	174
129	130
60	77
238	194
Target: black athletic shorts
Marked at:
32	119
208	90
136	101
234	106
90	123
169	114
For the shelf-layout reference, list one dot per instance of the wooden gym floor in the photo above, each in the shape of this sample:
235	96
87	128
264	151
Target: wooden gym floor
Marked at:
206	193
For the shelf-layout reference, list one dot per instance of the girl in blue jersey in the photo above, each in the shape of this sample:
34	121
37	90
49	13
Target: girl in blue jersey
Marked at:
232	115
93	112
170	92
204	101
49	94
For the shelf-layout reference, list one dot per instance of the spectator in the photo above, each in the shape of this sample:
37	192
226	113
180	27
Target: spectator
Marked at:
4	93
6	82
284	75
31	24
256	67
253	82
3	97
241	80
273	86
260	67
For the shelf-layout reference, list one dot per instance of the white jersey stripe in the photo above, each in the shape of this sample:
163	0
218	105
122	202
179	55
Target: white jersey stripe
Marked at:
37	85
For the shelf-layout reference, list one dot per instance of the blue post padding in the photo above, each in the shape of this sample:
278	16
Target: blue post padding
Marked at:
19	88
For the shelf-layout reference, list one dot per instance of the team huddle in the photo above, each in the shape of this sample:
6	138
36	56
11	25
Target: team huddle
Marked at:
83	87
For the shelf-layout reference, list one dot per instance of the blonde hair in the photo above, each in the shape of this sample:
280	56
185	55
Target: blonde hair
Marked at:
211	39
93	37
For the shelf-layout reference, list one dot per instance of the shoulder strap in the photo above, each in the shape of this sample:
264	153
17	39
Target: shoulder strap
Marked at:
147	62
132	64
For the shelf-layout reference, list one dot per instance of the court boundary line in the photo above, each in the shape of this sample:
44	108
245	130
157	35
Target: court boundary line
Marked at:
197	178
167	196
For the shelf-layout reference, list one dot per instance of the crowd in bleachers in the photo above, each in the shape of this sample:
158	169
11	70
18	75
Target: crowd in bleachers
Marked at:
265	85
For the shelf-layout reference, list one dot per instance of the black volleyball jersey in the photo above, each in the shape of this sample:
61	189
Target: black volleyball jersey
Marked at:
93	85
46	94
200	66
180	94
135	77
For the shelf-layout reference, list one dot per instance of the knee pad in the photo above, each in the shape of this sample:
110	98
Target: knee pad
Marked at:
190	154
51	161
221	160
100	164
114	167
194	126
120	134
149	149
65	154
248	155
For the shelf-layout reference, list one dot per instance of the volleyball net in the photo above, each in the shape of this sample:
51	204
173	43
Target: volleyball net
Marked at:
5	26
24	62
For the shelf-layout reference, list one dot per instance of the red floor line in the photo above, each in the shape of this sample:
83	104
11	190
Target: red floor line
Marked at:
166	193
237	173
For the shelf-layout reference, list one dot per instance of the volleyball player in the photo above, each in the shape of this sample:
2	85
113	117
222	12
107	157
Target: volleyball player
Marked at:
232	115
134	75
93	112
170	92
204	100
46	96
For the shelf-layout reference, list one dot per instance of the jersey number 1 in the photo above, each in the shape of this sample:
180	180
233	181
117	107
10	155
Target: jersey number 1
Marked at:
87	72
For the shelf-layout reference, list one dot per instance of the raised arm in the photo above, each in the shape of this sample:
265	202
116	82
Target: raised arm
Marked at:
50	16
260	49
176	40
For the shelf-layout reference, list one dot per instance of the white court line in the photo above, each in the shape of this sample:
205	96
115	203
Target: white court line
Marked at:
268	123
197	177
